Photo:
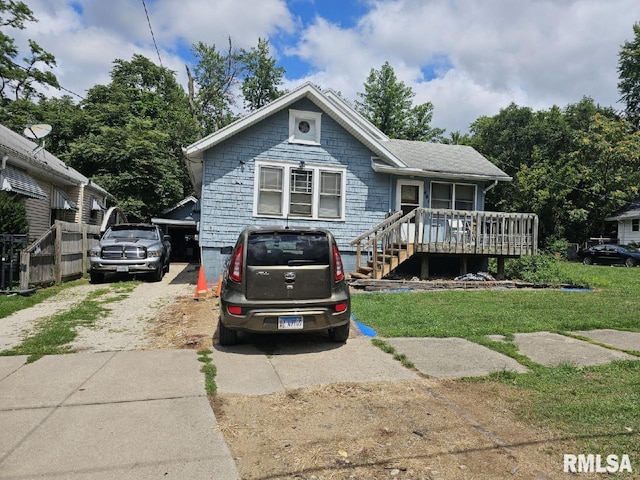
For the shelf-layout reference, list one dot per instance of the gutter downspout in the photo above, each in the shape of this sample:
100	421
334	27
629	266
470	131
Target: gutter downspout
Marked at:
495	182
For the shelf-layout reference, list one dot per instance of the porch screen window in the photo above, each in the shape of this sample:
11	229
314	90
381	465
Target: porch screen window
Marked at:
456	196
330	195
441	195
301	198
287	190
465	196
270	191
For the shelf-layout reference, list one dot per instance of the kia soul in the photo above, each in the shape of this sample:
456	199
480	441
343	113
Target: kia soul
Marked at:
283	280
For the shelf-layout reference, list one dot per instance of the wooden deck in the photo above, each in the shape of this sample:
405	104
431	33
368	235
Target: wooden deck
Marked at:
446	232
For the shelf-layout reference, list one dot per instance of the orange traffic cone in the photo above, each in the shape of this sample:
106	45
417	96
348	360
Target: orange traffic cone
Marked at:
219	286
201	287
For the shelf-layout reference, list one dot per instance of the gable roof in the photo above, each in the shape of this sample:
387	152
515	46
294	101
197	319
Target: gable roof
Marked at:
392	156
31	157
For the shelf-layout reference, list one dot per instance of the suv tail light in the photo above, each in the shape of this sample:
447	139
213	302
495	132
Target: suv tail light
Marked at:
235	267
338	271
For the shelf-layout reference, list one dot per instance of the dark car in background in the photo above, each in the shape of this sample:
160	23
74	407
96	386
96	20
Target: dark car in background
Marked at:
284	280
611	255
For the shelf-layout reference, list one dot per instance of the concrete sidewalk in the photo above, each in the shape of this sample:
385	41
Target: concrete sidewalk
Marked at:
145	414
126	415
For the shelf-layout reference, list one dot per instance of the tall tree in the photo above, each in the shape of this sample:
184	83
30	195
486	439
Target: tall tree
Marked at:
629	74
216	75
261	77
571	166
19	80
136	126
388	104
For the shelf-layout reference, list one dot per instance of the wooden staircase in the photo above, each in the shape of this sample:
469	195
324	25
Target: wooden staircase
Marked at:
380	250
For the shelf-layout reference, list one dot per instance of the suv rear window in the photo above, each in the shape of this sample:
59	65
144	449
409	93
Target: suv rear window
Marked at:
291	249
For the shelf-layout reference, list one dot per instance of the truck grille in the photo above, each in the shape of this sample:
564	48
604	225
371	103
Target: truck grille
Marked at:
124	253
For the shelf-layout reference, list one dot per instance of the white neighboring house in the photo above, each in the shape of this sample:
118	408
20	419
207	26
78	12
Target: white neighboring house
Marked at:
628	223
50	189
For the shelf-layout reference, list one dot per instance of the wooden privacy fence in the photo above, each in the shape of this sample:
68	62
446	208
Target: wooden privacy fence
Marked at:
60	254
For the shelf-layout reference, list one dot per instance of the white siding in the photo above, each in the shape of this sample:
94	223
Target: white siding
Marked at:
625	233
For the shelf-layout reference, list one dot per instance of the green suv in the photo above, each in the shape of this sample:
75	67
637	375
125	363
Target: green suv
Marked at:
283	280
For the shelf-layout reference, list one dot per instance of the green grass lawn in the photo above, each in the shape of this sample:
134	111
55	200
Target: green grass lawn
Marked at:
614	303
597	407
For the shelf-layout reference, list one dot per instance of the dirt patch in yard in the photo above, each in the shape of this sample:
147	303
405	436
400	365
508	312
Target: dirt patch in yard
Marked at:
424	429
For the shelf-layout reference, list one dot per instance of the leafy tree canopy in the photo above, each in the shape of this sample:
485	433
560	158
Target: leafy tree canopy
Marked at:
629	74
388	104
135	128
261	77
19	80
572	166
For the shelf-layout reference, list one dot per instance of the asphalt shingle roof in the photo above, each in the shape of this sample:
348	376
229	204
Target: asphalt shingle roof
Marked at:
450	159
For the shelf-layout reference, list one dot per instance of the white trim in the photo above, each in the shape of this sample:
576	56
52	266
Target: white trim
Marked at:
314	119
286	189
403	181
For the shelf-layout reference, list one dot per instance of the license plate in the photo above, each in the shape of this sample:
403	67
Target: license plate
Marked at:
290	323
122	268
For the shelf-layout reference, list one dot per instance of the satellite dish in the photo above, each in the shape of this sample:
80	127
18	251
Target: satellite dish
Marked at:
37	131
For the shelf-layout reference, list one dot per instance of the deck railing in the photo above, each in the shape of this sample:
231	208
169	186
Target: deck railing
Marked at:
455	232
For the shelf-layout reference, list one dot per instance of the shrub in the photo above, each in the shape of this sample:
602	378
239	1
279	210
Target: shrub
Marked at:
539	269
13	214
556	246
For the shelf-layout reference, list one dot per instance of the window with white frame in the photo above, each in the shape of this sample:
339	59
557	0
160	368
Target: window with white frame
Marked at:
456	196
286	190
635	225
304	127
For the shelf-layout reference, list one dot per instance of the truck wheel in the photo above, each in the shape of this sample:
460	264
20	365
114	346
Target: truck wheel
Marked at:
226	336
158	274
340	334
96	277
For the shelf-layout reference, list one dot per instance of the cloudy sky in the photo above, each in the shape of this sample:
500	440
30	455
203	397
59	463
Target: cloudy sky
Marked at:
468	57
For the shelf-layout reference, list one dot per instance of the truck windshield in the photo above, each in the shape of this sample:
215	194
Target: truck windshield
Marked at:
131	233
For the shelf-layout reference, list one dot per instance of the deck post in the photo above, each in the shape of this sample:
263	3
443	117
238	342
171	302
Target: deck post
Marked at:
500	268
464	265
424	267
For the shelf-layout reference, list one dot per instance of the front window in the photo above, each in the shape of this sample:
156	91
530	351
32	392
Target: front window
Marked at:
301	198
290	191
456	196
635	225
270	191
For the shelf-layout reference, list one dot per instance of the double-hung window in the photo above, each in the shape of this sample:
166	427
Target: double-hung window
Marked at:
286	190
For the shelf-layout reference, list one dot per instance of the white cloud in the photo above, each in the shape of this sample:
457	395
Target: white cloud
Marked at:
499	51
487	54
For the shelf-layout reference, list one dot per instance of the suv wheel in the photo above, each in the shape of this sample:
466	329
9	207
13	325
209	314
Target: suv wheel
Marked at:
588	261
340	334
226	336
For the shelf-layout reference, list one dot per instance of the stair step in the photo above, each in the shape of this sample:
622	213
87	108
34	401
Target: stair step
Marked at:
359	275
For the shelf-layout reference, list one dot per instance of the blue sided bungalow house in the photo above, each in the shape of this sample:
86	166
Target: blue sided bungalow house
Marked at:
309	159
